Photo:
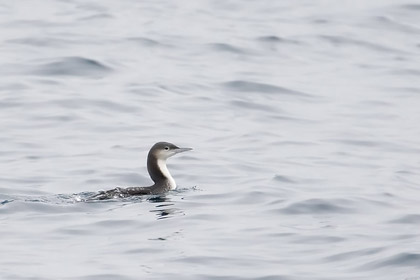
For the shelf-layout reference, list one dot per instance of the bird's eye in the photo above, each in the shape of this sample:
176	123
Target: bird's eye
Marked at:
166	148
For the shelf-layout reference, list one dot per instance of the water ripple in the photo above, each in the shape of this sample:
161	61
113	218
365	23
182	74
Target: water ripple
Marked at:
43	42
105	106
339	40
411	7
354	254
103	276
224	47
147	42
251	105
283	179
246	86
73	66
278	40
319	206
397	260
408	219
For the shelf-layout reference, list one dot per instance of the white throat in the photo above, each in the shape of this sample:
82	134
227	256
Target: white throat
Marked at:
162	166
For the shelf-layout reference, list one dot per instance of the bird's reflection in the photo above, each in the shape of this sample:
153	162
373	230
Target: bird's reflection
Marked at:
164	207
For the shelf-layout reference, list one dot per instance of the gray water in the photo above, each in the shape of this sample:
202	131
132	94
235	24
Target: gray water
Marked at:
303	115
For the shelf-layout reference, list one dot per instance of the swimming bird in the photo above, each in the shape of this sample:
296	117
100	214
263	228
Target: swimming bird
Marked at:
158	171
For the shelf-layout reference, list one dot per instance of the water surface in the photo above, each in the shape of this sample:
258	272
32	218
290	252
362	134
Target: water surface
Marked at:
303	117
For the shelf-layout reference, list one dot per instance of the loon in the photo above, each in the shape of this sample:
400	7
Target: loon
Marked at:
156	166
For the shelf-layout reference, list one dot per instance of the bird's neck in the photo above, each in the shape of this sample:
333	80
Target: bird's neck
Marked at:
159	172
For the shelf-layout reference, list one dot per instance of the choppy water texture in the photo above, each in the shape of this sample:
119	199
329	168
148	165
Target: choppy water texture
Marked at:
303	115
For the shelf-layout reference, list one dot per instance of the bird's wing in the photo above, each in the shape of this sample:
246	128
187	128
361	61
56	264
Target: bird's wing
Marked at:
121	193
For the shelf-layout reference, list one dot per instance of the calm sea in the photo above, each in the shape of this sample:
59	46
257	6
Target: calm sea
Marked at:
303	115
